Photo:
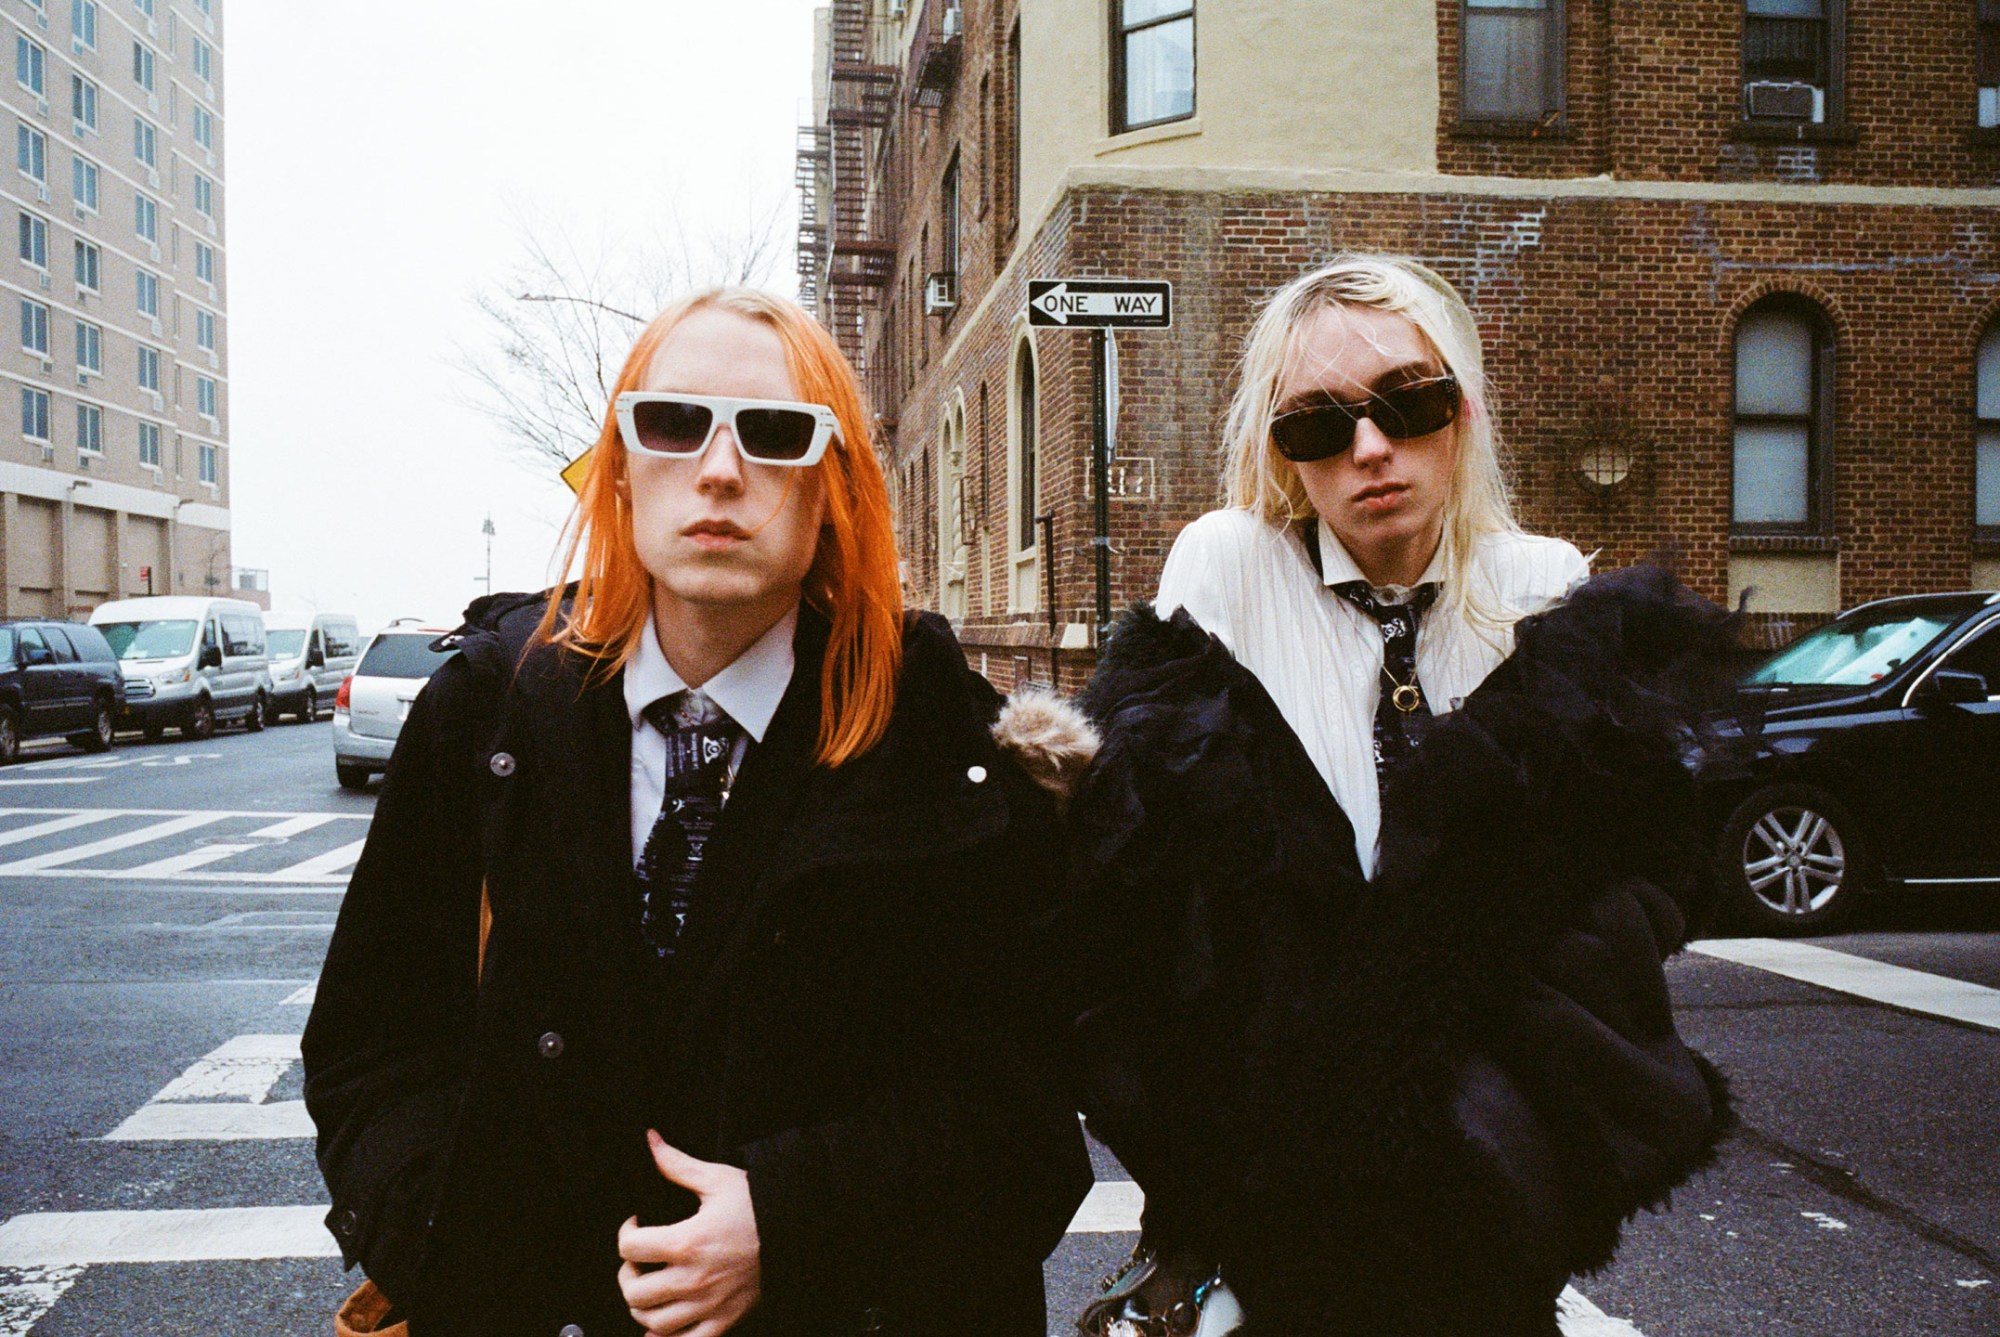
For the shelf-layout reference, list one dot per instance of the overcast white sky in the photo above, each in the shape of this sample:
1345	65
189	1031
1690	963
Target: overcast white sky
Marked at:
379	155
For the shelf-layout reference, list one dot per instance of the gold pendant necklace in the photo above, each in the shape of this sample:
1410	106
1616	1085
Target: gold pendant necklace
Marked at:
1406	696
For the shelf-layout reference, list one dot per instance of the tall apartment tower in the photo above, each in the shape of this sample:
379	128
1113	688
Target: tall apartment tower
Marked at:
1736	262
117	481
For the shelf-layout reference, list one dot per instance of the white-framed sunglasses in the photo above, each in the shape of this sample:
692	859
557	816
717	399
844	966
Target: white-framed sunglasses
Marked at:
675	426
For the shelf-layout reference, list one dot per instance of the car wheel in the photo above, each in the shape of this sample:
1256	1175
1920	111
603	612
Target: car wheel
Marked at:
97	738
351	777
10	735
1791	860
200	721
254	721
309	708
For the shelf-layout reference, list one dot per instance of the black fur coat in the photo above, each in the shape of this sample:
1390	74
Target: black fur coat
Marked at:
1412	1106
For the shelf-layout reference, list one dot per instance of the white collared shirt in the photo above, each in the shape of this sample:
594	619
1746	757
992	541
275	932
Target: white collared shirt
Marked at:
1320	657
748	691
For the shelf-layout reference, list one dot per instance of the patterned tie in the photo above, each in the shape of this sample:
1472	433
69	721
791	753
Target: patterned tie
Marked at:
700	739
1401	712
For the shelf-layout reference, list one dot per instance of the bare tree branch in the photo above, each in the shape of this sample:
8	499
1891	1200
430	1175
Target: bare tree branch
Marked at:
559	325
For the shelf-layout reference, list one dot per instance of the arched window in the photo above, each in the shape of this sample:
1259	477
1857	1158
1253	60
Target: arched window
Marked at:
1986	473
953	532
1023	476
1783	466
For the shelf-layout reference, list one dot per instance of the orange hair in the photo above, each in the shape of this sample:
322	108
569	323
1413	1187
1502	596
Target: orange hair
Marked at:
853	580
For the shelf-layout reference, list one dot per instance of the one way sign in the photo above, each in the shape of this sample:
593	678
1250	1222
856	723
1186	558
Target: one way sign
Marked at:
1100	304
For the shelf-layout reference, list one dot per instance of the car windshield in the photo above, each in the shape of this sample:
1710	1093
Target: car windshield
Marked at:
1861	648
402	655
284	644
149	640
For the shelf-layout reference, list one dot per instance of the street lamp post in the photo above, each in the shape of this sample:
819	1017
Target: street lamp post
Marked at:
488	531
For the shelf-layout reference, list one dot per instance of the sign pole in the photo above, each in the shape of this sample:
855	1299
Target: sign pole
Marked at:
1100	479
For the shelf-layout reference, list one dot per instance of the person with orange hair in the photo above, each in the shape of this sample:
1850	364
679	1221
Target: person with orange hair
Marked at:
683	983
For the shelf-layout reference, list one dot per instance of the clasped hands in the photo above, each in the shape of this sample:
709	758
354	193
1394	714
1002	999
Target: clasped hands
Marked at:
698	1277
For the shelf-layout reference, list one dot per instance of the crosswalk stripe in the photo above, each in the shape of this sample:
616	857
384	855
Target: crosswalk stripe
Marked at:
246	1068
1111	1207
54	826
231	1121
186	861
27	1293
1897	986
292	826
56	780
302	997
73	1239
1578	1317
322	865
173	826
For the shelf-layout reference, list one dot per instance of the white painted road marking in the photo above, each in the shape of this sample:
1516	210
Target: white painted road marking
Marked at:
1897	986
27	1293
232	1122
301	997
203	864
292	826
188	861
54	826
246	1068
1578	1317
58	780
79	1239
173	826
325	865
1111	1207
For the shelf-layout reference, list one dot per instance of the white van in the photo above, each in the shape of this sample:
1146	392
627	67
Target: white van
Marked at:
188	661
311	655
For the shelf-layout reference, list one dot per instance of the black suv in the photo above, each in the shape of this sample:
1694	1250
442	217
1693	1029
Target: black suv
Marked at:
1876	762
56	678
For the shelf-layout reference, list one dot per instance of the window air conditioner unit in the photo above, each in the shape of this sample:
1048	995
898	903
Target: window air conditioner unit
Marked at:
210	155
156	325
46	280
155	248
48	454
83	457
940	293
159	401
159	477
211	225
76	46
897	8
152	26
954	22
42	19
48	367
153	177
82	294
152	102
214	360
42	193
79	211
1784	102
80	130
1989	107
82	376
42	108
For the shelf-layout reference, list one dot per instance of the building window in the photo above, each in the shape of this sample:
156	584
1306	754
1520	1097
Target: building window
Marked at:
204	396
1510	60
204	263
83	182
1989	62
204	196
83	21
144	7
87	265
35	414
1026	430
1986	489
201	60
90	429
149	294
1792	60
146	218
145	142
31	153
204	7
204	330
31	65
1152	62
35	241
149	444
89	347
83	102
1784	420
948	208
149	368
34	328
204	127
205	459
142	65
1010	156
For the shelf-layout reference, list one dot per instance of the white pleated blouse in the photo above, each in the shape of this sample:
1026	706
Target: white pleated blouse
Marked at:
1320	657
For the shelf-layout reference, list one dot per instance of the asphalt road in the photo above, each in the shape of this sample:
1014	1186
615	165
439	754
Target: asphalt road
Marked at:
163	910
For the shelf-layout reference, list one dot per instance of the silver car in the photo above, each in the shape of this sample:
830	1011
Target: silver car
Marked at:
371	706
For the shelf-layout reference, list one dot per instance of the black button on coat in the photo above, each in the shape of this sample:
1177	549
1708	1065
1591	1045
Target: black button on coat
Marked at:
846	1019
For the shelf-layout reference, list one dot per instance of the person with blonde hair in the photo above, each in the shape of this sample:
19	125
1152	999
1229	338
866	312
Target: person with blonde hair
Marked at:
682	984
1392	825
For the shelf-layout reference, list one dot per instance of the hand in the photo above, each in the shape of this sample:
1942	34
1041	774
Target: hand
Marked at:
703	1274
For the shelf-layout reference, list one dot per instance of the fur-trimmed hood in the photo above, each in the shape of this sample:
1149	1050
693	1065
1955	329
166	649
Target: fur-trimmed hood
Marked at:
1051	738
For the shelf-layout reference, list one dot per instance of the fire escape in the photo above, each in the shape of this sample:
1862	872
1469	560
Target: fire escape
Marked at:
860	250
812	175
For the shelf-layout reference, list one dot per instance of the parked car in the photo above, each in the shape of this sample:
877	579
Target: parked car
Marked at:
1876	763
311	655
372	705
56	678
189	661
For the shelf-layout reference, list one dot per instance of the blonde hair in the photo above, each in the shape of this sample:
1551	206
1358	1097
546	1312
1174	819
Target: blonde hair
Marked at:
1265	483
853	580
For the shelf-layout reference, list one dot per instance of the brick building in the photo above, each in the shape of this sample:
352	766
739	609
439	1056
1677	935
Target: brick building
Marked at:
1737	263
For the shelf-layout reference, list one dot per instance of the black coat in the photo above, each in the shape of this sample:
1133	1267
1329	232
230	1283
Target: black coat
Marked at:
844	1018
1411	1107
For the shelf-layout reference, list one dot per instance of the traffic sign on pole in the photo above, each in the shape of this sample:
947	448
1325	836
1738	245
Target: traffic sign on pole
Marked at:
1100	304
